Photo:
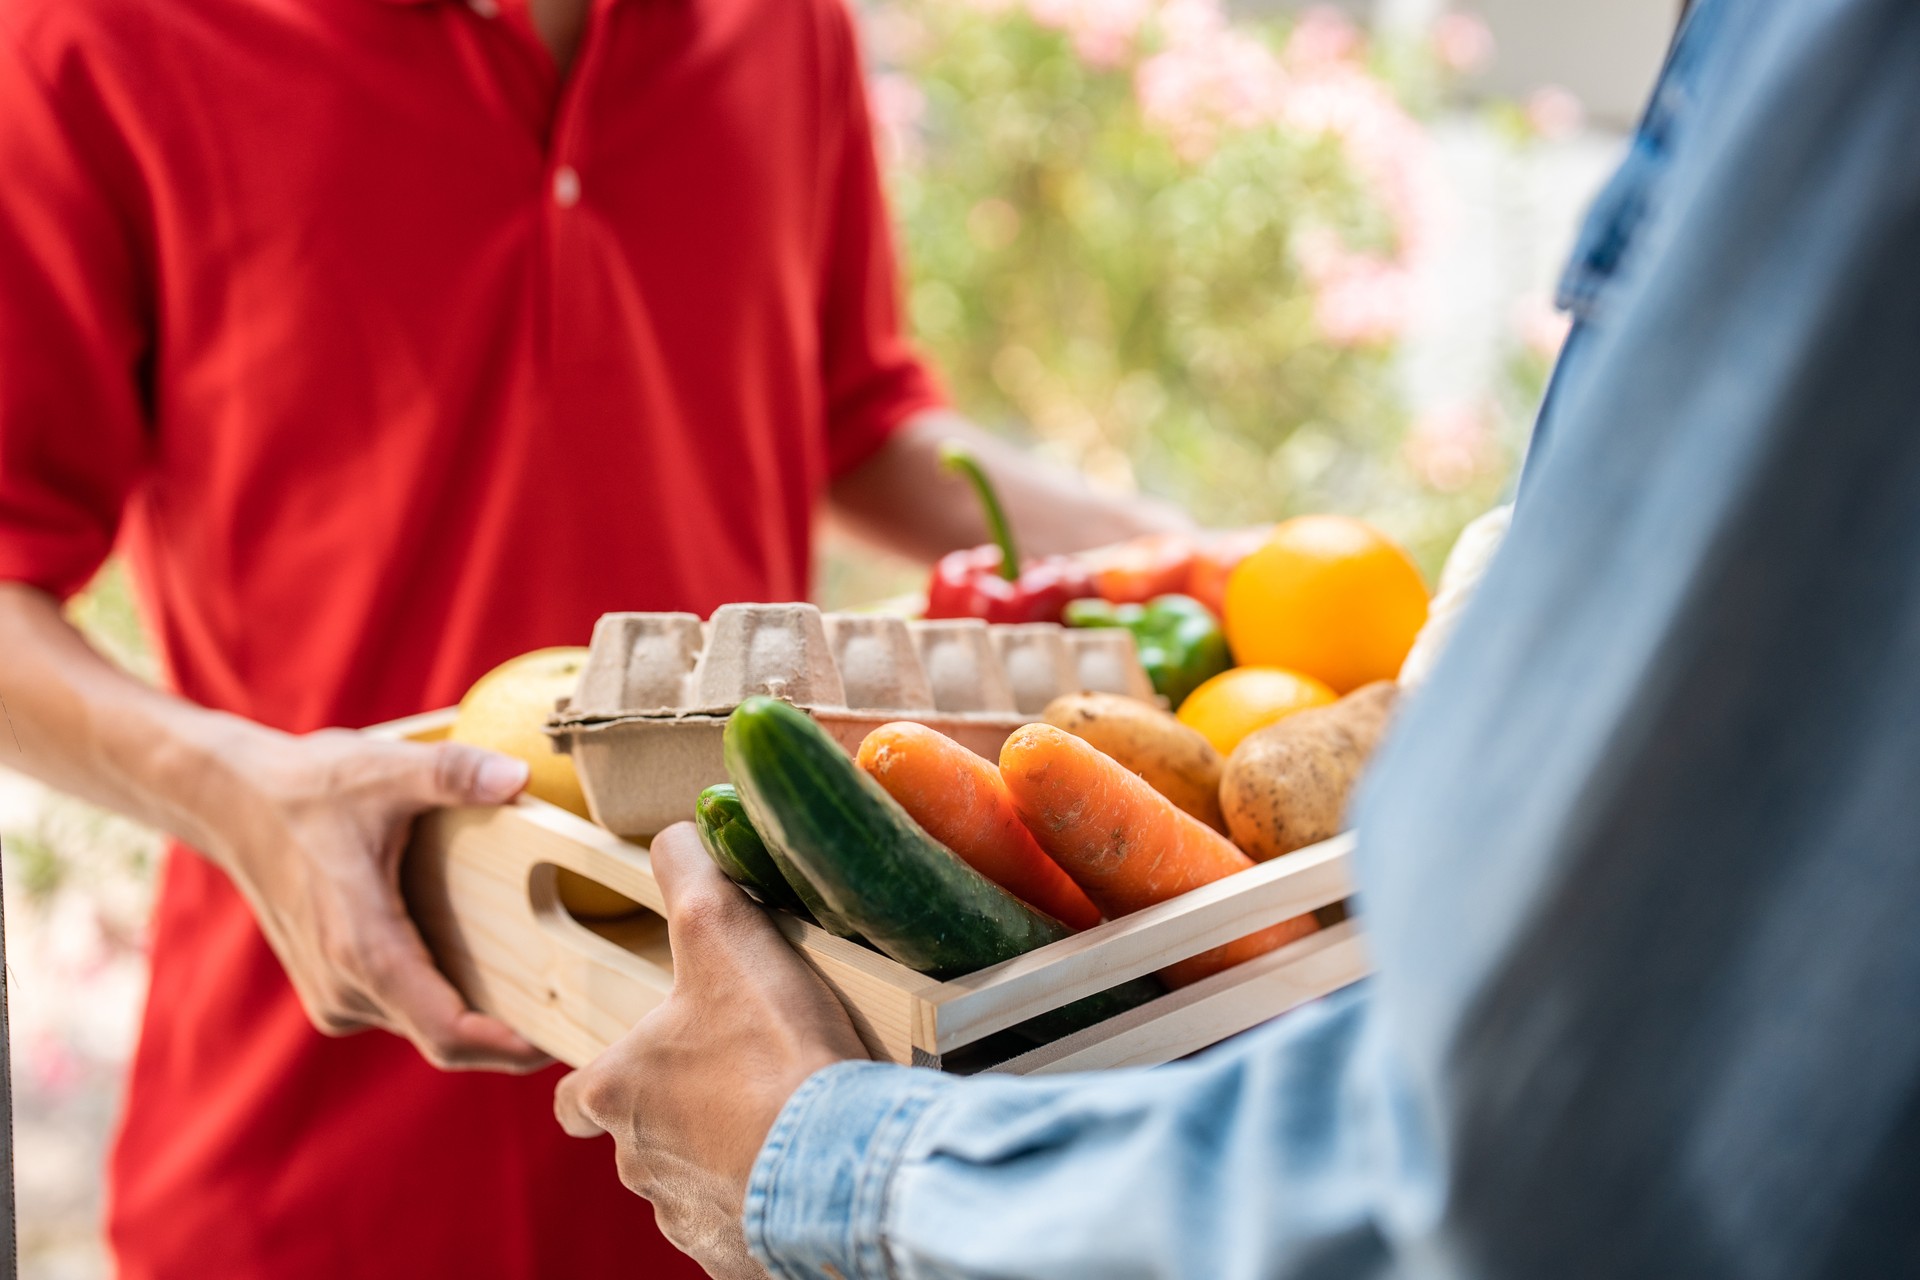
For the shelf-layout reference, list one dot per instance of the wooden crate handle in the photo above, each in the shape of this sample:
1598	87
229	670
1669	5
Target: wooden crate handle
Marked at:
494	922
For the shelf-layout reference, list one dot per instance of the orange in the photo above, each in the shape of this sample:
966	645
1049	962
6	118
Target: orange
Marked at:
1328	596
1234	703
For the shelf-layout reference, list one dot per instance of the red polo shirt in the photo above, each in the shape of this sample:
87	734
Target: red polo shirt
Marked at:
386	354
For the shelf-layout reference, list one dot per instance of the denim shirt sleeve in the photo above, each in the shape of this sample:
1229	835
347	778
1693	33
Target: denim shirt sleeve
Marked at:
817	1198
874	1172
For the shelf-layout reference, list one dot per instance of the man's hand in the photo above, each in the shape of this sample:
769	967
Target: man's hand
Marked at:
310	828
690	1093
316	850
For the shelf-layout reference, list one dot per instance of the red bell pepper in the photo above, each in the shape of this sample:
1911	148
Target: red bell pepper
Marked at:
992	582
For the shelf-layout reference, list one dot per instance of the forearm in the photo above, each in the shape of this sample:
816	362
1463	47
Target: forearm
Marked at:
1246	1164
79	723
905	501
310	828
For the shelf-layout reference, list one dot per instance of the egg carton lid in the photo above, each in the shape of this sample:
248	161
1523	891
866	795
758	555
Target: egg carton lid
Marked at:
674	666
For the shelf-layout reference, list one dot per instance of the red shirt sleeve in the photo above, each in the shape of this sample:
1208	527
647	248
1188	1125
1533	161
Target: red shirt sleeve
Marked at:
73	424
874	379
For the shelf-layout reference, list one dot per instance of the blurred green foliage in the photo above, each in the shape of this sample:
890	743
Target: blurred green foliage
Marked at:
1071	271
1124	283
106	614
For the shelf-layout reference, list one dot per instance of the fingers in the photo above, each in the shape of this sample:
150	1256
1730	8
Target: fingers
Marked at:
420	1004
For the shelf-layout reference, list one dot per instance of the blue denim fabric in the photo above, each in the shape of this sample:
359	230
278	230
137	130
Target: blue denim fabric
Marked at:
1625	204
1641	863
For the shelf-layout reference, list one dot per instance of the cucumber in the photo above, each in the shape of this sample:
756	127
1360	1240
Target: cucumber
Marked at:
907	893
736	848
811	903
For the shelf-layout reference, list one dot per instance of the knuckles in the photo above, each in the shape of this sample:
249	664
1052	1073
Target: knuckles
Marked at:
704	917
605	1103
635	1173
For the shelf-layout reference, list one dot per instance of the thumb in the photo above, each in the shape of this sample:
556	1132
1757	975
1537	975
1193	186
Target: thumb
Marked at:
689	881
454	773
703	908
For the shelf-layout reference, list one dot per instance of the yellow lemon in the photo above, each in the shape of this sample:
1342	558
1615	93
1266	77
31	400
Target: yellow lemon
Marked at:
506	711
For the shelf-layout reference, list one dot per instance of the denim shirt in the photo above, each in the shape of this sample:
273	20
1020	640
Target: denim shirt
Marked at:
1625	204
1641	863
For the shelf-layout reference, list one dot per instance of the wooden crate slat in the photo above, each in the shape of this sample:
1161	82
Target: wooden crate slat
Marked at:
1210	1010
1011	992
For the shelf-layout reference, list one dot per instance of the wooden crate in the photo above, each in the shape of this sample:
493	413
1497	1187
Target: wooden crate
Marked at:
481	886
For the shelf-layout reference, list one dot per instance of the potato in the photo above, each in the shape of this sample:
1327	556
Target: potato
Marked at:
1286	786
1175	760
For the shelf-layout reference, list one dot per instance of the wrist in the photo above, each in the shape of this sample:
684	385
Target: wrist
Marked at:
205	772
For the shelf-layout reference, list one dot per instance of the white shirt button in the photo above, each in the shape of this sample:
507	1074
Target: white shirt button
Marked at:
485	8
566	186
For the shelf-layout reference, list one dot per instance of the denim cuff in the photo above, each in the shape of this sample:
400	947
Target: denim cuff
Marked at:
817	1198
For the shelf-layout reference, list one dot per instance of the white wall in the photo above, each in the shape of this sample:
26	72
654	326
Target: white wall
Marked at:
1606	51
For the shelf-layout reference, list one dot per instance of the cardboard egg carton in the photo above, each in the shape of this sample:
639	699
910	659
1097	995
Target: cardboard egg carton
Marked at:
644	727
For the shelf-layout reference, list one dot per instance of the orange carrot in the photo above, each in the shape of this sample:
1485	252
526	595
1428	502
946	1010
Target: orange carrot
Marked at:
961	802
1123	842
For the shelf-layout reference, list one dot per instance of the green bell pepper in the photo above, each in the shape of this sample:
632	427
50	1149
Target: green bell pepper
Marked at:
1180	641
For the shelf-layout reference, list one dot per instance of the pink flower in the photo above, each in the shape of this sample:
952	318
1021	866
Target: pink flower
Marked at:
1450	445
1358	299
1387	147
1367	304
1554	113
1210	79
1194	90
1184	23
1323	35
1463	42
1104	32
